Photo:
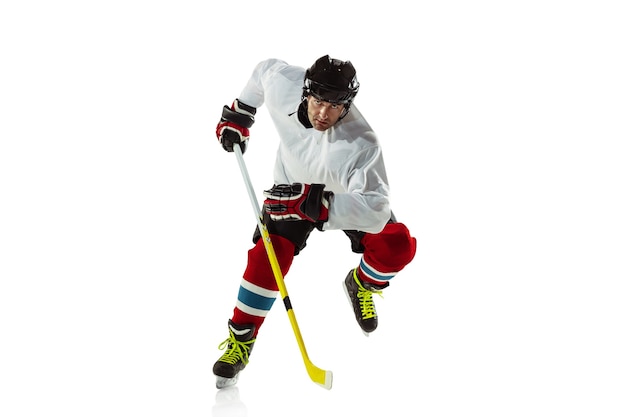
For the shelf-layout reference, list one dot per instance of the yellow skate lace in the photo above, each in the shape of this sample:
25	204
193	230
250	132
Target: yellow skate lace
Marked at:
235	350
368	309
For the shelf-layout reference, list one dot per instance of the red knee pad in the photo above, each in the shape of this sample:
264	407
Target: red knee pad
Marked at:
391	249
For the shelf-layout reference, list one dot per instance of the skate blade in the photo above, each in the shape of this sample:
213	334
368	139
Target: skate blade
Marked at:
221	382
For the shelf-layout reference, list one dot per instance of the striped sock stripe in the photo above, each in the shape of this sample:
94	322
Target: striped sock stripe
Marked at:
255	300
259	290
374	275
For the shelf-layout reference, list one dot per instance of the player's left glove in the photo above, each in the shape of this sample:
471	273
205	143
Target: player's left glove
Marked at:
298	202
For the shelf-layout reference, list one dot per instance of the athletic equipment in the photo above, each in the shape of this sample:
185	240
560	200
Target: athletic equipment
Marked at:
331	80
238	346
234	125
298	202
320	376
360	296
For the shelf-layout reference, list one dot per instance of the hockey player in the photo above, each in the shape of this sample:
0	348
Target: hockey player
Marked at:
329	174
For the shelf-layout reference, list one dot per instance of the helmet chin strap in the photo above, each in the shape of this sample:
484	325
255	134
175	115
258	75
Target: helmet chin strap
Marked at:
346	110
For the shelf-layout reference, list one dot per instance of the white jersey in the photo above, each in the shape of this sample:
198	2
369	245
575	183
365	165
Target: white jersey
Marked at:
347	157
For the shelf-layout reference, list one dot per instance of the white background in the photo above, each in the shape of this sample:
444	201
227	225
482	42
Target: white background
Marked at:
124	226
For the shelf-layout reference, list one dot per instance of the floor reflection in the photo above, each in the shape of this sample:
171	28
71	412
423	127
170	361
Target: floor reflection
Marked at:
228	403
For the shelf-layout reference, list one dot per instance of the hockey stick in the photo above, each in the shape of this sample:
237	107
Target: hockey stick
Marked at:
318	375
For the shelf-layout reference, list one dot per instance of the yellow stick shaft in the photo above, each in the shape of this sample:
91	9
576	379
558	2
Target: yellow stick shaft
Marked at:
319	376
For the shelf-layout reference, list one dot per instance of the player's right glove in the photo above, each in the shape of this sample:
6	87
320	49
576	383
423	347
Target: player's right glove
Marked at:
234	125
298	201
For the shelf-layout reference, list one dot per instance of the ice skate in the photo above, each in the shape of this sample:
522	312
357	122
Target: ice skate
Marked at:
360	296
238	347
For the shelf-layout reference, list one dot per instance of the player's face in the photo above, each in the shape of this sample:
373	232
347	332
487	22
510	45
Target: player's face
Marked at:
323	114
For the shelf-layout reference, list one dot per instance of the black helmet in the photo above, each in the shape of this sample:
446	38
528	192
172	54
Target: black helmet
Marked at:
331	80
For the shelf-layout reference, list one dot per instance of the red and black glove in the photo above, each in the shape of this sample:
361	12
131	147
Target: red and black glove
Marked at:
234	125
298	202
